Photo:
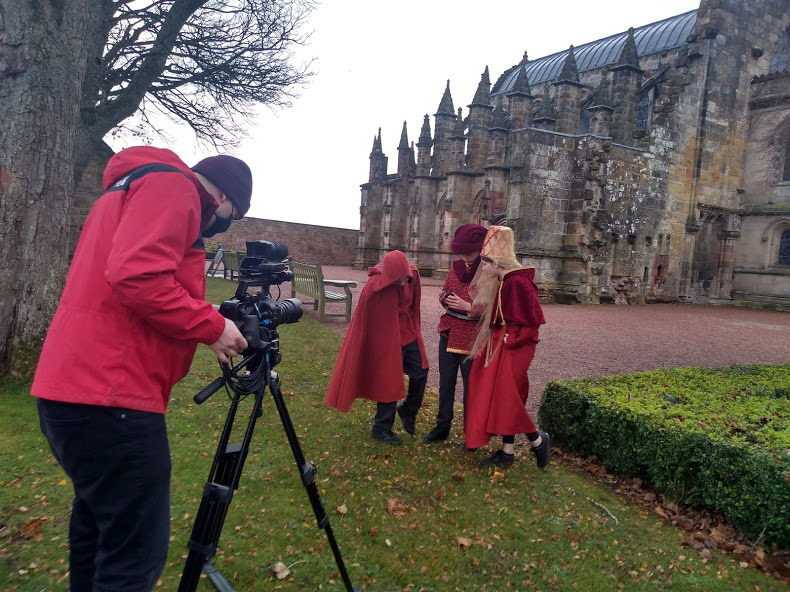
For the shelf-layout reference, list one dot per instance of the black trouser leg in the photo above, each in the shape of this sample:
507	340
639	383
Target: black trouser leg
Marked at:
418	377
385	416
449	364
119	462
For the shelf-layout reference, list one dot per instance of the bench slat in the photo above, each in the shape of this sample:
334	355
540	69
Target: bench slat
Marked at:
309	280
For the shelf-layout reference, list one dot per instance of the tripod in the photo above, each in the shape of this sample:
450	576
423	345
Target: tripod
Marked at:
229	460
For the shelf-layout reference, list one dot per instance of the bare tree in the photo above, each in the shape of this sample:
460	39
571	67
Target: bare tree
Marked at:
73	70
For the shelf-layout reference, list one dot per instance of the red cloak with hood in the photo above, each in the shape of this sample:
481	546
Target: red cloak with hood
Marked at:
370	363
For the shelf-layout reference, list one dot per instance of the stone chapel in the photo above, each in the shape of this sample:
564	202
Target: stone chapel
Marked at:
652	165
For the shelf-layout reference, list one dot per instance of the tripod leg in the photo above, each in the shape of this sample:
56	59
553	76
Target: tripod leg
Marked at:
217	495
307	472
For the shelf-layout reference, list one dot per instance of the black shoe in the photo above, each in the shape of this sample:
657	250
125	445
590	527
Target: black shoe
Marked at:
542	452
499	458
386	436
437	434
407	419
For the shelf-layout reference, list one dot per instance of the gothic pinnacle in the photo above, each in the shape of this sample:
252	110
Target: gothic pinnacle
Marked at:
458	131
404	139
629	56
521	84
377	142
569	69
483	94
425	133
446	104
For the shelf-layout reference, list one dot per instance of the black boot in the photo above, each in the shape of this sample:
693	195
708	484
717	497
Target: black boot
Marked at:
499	458
386	436
437	434
543	451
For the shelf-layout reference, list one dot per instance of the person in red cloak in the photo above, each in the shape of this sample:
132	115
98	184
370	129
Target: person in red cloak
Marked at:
503	351
457	329
384	342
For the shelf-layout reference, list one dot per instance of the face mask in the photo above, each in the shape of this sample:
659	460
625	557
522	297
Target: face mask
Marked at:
217	226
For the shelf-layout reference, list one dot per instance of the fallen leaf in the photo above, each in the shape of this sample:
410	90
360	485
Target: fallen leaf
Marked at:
32	528
343	510
396	507
464	542
280	570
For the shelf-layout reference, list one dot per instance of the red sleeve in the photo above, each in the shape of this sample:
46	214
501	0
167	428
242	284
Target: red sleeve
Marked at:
518	335
520	303
160	222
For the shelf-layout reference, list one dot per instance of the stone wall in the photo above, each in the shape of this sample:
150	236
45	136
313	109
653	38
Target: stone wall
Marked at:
306	243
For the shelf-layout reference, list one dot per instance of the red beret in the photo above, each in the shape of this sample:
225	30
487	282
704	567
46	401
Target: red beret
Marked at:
468	239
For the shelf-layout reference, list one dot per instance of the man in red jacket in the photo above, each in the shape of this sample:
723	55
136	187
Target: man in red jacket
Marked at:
125	331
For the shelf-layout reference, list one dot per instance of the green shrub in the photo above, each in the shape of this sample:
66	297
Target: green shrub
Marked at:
713	437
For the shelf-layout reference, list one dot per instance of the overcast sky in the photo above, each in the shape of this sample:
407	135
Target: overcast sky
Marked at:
378	64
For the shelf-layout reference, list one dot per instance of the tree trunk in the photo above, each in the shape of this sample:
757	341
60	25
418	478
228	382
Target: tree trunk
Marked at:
44	49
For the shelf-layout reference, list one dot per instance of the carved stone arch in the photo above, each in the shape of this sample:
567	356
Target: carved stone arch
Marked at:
444	222
482	206
777	240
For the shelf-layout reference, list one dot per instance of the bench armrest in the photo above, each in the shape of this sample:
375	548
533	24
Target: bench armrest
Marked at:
340	283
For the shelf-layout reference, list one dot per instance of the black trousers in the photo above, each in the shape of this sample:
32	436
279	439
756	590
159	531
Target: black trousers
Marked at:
418	378
449	364
119	462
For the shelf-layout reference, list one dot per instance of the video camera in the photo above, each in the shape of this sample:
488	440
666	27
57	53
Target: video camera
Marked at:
258	315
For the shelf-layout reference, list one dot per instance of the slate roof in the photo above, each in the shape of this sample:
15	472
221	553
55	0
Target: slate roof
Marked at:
659	36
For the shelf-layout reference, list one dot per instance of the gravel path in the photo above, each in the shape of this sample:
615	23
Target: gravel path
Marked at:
603	340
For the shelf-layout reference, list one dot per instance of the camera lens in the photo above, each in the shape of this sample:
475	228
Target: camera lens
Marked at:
289	311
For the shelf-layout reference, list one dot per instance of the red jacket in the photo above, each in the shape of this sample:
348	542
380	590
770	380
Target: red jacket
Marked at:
370	363
133	309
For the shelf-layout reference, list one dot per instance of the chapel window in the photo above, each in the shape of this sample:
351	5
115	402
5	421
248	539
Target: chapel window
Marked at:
784	249
780	61
584	122
646	108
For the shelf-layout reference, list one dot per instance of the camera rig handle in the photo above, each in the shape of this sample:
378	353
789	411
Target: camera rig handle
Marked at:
209	390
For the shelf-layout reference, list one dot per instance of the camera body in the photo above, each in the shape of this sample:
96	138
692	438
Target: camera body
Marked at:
258	315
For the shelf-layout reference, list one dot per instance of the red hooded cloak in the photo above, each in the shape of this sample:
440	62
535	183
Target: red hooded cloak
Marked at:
370	363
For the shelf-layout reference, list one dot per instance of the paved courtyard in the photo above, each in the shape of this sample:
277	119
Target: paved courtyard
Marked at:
602	340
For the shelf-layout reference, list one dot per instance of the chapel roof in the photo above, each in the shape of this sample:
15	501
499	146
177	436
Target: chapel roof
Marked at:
659	36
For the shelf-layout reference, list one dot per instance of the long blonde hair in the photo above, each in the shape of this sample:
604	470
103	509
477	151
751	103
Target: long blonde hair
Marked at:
498	248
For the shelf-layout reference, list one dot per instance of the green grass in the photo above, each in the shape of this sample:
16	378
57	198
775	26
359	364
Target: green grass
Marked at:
451	526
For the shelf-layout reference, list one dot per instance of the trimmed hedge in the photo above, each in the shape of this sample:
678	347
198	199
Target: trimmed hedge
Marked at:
713	437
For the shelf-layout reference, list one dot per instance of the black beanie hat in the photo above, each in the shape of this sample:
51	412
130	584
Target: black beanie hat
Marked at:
232	176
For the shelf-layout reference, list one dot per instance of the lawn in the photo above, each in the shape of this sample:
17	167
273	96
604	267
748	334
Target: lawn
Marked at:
417	517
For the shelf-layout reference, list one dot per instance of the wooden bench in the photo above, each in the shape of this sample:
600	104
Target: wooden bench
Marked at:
230	264
309	280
